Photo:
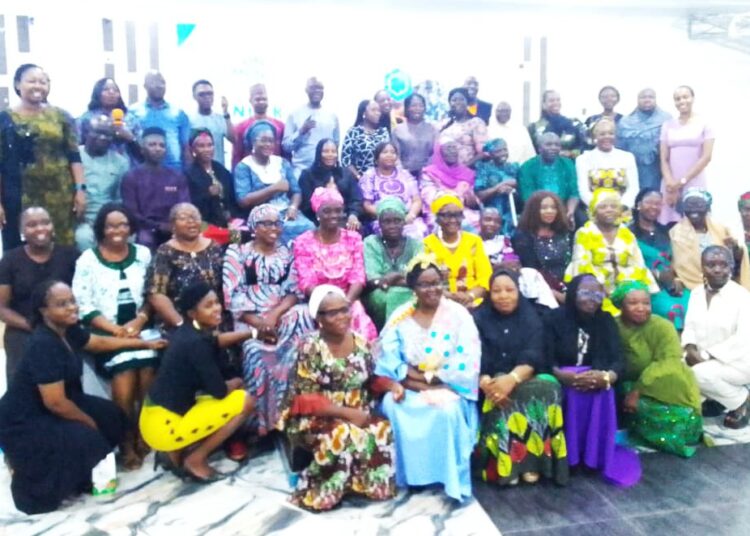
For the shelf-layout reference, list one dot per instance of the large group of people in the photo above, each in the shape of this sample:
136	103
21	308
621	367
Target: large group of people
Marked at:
444	299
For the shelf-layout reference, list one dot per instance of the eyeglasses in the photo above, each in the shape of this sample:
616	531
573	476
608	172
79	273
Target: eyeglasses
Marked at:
450	215
188	218
331	313
270	223
596	295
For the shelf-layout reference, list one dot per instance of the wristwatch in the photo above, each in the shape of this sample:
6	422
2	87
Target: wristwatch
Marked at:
227	116
79	187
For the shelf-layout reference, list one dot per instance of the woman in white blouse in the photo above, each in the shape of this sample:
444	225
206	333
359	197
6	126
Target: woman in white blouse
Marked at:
607	167
716	336
108	286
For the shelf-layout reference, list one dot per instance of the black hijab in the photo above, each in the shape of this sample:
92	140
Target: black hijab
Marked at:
604	351
513	339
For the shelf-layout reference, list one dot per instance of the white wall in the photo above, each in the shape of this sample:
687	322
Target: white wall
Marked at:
351	47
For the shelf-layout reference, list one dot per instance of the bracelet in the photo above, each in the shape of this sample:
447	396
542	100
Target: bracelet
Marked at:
513	374
180	323
607	381
227	116
142	315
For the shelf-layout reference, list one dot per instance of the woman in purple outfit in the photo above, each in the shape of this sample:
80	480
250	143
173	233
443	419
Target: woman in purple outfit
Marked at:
586	354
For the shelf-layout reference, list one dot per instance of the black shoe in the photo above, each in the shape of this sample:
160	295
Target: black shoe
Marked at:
711	408
187	474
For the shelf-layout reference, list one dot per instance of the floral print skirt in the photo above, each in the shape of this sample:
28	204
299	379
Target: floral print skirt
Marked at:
525	437
346	459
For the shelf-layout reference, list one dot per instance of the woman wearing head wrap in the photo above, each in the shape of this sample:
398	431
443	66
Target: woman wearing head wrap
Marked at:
211	184
262	177
468	131
174	414
572	132
447	176
460	253
585	353
386	257
662	400
260	290
326	171
431	347
695	232
329	414
744	207
387	181
517	395
605	248
605	166
495	182
332	255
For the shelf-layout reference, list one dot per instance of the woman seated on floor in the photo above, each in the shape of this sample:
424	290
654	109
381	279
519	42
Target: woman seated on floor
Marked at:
607	249
330	411
260	290
459	253
386	257
189	402
522	421
695	232
716	338
432	348
586	355
662	402
51	433
653	240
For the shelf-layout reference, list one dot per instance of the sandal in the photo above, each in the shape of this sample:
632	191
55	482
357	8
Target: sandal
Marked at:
739	417
530	477
161	459
215	476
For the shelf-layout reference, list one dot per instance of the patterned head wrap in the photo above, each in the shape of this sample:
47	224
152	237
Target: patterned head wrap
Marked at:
259	127
319	294
261	213
744	199
325	196
445	199
625	288
198	133
391	204
602	194
699	193
494	145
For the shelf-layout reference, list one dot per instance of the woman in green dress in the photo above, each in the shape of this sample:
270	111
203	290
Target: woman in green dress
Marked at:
386	257
671	301
39	160
661	397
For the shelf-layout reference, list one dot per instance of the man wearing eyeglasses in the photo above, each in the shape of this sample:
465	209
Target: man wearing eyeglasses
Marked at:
220	125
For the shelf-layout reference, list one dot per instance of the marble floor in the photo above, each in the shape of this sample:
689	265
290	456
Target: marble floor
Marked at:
706	494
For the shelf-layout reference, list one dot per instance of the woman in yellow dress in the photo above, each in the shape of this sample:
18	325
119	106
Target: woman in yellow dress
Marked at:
460	254
605	248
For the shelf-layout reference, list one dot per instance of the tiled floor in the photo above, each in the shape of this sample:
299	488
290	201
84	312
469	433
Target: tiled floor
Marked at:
707	494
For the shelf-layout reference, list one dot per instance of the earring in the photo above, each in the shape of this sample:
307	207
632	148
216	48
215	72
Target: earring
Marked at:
196	325
194	155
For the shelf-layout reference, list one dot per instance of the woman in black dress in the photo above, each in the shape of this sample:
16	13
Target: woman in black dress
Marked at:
21	269
543	241
51	432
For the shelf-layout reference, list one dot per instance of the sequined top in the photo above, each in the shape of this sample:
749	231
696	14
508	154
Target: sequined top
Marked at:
550	255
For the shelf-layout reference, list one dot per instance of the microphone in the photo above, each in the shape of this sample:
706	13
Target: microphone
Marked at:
117	117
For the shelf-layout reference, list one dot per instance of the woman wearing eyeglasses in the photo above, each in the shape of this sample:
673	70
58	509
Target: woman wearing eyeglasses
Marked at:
260	290
459	253
333	255
431	347
585	352
185	258
607	249
330	410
